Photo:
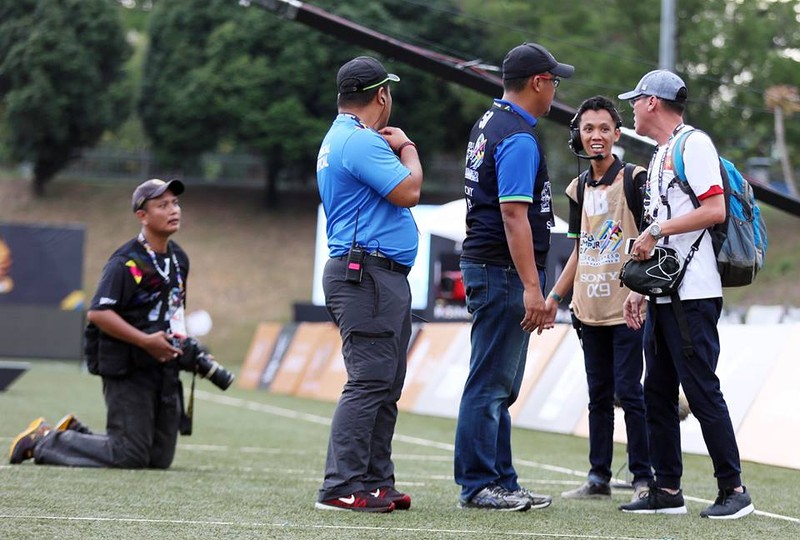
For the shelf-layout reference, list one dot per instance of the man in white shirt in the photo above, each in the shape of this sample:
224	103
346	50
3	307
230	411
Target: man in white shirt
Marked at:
681	342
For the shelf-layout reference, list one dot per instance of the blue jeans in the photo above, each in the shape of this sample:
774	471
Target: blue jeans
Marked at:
496	366
614	364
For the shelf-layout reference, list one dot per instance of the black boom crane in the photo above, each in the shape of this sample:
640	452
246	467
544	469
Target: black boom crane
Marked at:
462	72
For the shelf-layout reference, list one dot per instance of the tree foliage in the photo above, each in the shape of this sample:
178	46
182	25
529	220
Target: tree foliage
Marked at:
61	79
728	52
219	73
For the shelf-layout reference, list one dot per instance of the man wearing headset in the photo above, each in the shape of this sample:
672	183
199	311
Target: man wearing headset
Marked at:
601	222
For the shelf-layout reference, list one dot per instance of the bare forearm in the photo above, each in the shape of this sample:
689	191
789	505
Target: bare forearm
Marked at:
566	280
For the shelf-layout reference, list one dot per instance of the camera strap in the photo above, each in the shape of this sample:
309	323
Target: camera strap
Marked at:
189	413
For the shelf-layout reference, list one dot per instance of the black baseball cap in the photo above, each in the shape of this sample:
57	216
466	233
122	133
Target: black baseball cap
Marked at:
362	73
154	188
531	59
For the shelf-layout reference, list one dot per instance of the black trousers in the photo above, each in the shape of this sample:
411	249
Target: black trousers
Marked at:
667	367
142	423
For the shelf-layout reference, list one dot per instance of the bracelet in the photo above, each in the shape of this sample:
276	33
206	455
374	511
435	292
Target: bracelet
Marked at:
400	148
556	296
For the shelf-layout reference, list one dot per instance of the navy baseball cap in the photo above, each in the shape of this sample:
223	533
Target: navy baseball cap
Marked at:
362	73
531	59
154	188
661	84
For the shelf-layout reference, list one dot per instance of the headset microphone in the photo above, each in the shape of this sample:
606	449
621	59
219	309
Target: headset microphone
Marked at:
596	157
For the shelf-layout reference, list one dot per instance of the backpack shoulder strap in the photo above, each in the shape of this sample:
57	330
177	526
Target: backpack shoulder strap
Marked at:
634	195
677	155
582	179
679	166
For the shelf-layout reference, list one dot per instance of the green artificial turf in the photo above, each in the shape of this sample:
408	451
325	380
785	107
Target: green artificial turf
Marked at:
254	463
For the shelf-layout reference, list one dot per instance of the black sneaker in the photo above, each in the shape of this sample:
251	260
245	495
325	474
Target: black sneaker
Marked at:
537	500
23	445
588	490
357	502
656	501
497	498
729	505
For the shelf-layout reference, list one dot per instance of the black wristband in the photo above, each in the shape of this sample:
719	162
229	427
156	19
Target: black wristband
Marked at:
400	148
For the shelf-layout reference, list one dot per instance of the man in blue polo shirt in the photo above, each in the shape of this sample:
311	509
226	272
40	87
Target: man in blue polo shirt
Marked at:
369	175
509	215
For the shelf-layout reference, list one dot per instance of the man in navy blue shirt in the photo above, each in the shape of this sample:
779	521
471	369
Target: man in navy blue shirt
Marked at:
509	216
369	175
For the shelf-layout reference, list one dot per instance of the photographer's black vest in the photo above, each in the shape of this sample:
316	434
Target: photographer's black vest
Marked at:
486	238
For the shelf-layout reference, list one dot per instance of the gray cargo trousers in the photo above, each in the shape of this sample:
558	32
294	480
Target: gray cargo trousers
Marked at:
374	320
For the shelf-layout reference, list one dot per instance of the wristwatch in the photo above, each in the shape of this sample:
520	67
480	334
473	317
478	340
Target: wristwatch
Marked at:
655	230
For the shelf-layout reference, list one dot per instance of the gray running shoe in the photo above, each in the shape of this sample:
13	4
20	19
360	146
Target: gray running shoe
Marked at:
589	490
537	500
729	505
497	498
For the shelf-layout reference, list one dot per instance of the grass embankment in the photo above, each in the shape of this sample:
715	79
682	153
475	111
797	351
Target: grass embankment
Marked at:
250	265
247	265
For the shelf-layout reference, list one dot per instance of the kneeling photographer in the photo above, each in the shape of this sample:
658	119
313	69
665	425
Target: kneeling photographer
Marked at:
135	313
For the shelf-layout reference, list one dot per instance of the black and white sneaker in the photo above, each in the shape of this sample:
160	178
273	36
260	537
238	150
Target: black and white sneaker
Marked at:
497	498
656	501
730	504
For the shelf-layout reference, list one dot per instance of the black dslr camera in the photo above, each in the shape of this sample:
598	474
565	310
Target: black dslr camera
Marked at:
196	358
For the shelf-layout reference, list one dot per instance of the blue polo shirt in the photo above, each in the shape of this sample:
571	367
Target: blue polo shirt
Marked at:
356	169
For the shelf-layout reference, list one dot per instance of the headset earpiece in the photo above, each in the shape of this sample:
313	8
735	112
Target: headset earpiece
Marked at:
575	143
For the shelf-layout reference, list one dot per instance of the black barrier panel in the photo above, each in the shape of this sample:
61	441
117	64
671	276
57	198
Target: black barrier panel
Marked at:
40	332
41	293
41	265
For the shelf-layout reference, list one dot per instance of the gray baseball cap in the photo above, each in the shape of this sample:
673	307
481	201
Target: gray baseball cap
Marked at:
154	188
659	83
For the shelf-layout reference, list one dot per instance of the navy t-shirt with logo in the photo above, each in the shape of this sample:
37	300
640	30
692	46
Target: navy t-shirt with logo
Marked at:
504	164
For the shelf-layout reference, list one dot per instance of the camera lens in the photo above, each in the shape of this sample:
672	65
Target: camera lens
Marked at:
214	372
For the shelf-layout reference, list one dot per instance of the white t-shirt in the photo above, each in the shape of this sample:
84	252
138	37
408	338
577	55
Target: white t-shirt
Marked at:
701	163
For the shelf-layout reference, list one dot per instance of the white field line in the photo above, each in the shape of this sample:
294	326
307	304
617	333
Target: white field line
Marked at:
316	419
287	526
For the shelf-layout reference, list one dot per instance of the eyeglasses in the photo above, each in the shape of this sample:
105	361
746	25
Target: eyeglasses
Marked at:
633	101
556	80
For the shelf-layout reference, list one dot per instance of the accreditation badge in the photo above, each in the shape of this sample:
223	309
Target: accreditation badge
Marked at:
177	323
